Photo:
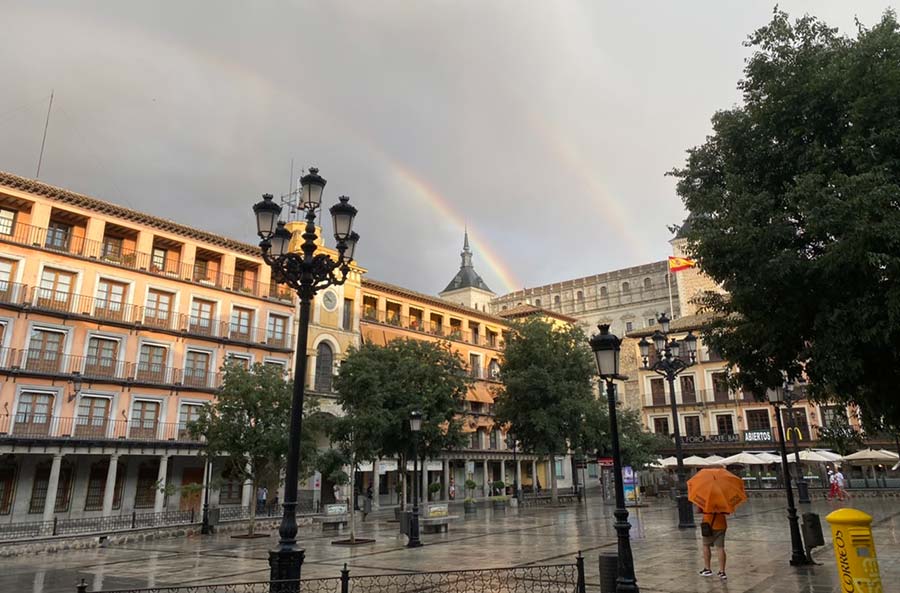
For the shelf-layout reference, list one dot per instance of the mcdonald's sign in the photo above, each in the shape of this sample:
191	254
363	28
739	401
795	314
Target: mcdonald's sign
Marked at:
796	431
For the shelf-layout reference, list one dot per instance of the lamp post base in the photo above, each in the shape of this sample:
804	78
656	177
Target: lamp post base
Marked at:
414	541
685	513
284	566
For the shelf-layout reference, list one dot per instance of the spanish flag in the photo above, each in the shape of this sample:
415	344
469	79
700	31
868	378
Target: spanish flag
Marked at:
676	264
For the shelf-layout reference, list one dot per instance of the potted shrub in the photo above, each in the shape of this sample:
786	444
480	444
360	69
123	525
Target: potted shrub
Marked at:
433	490
499	501
469	502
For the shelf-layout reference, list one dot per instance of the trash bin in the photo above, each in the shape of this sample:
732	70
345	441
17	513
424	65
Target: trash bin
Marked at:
609	571
812	531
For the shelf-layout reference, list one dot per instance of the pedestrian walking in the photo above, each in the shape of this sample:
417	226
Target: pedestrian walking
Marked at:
712	530
839	481
718	492
452	489
832	485
261	495
367	502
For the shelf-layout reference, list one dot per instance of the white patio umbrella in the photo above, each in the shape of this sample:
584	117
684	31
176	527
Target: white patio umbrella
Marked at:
695	461
871	456
671	461
828	455
770	458
743	458
714	459
810	456
893	454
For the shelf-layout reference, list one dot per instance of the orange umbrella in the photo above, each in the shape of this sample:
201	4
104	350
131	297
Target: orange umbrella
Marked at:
716	490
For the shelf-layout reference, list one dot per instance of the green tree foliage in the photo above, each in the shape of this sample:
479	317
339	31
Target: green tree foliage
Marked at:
546	388
795	211
841	436
247	426
379	386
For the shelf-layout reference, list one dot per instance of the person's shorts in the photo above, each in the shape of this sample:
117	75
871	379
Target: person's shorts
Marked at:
717	539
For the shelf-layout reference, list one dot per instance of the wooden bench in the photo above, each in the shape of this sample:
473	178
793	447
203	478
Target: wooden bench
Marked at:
335	517
437	518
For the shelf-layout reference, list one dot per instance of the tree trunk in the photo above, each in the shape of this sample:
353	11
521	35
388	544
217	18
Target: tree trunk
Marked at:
251	526
352	505
551	467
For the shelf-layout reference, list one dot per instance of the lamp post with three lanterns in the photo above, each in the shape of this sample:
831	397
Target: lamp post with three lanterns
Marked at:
669	364
307	273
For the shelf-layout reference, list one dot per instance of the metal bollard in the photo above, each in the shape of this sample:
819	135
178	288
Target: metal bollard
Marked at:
345	579
579	563
81	587
609	571
854	550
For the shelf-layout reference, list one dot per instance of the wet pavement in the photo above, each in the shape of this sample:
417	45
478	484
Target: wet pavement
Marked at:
667	559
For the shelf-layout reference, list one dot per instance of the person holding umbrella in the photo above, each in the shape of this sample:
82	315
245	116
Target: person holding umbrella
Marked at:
717	492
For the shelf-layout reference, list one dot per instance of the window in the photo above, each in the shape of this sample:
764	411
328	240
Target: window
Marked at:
559	469
829	413
196	368
7	277
556	300
102	357
58	235
648	283
158	311
493	369
202	317
799	422
347	319
651	322
757	420
476	330
144	417
688	391
158	259
493	439
45	351
276	332
692	426
503	308
593	470
603	291
324	367
34	413
279	364
152	364
41	484
97	486
8	471
537	302
242	360
7	220
231	489
146	485
475	365
725	423
55	289
579	296
187	414
110	299
661	425
629	326
241	323
658	392
720	387
112	248
201	270
93	415
626	287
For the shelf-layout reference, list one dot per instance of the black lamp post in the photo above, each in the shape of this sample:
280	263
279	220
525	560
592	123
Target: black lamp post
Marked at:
670	364
798	554
512	442
205	527
415	425
307	273
606	348
794	432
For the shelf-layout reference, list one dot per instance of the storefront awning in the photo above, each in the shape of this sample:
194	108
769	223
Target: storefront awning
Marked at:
480	392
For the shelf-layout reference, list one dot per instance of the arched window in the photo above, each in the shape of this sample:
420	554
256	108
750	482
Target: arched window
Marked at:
556	300
324	366
648	283
503	308
626	287
603	291
537	302
579	295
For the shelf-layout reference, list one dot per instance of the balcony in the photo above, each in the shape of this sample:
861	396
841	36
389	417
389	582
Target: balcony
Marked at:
705	398
32	236
46	363
415	323
93	428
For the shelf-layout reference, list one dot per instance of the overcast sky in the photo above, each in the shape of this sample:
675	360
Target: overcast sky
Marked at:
546	126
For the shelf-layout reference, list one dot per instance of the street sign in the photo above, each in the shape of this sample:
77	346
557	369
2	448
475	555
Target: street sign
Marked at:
605	461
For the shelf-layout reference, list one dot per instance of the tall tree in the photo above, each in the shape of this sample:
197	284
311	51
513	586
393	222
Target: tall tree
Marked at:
545	393
379	386
248	425
794	210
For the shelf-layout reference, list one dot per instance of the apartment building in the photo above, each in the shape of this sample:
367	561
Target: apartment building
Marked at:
114	326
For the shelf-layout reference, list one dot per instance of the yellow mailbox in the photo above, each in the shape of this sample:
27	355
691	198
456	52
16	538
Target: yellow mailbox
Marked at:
854	550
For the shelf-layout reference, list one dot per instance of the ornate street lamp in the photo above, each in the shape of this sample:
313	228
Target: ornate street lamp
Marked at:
794	432
798	554
415	425
669	364
307	273
606	347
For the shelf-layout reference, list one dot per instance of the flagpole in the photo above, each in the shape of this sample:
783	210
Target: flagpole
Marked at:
669	278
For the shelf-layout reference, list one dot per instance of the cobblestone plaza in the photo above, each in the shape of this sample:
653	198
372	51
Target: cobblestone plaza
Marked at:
667	560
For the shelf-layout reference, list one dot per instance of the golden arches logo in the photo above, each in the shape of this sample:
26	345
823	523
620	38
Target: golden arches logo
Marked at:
796	431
